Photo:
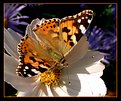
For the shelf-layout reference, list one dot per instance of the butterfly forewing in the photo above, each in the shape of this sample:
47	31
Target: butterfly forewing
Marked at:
74	27
48	32
76	38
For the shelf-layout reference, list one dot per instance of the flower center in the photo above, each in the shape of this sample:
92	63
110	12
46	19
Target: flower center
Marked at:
51	77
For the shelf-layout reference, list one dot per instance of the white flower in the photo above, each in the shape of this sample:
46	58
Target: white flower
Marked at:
83	75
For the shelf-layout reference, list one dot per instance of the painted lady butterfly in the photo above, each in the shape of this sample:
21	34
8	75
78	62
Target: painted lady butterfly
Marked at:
50	42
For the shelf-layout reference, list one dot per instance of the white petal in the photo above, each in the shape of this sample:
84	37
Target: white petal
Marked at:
30	32
39	91
15	35
20	94
96	67
11	40
58	91
68	89
97	74
81	81
97	85
19	83
81	85
33	92
10	65
78	52
36	21
90	63
49	91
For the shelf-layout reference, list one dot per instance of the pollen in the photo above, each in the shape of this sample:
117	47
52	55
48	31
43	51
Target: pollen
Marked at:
51	77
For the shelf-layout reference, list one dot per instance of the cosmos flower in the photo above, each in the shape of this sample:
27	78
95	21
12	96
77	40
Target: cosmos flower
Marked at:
105	42
82	78
12	16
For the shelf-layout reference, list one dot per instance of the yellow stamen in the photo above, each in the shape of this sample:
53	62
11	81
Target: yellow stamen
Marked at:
51	77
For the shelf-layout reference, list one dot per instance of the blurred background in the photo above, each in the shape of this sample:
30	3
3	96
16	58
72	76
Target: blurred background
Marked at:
101	35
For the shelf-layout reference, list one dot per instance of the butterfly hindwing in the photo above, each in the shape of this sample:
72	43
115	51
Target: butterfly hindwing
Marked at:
33	59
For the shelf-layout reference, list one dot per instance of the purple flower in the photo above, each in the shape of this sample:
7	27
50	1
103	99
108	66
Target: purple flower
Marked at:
32	5
12	16
103	41
114	9
83	5
114	12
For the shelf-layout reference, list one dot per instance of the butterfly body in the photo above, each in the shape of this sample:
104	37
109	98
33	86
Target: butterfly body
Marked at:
50	43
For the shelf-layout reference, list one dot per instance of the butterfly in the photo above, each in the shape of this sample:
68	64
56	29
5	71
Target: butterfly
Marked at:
50	43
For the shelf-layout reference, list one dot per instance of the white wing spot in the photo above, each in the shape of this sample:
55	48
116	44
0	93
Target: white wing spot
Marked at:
19	60
86	17
19	67
20	63
73	37
19	73
89	21
79	14
84	11
29	75
79	20
87	12
16	69
24	70
35	71
42	66
26	67
82	28
82	17
69	17
75	16
64	18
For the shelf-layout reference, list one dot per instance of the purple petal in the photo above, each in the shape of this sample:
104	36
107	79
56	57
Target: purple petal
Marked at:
20	17
14	28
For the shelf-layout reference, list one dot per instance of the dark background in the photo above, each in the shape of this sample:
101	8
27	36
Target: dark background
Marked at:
101	20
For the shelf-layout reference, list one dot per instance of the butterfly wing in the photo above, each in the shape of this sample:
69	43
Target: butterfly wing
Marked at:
73	29
35	57
49	33
62	35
